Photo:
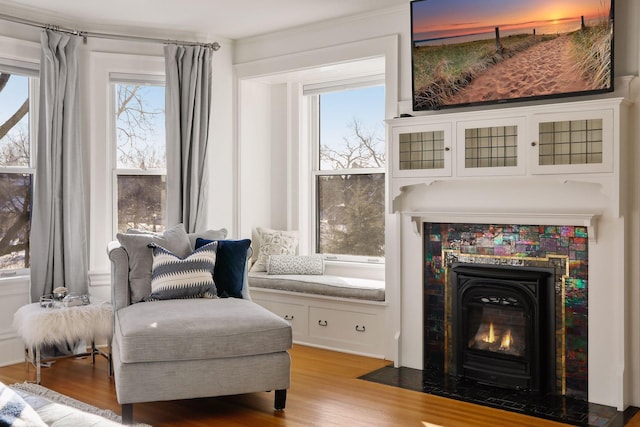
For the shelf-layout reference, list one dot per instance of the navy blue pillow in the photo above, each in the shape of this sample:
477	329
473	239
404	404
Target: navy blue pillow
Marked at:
231	260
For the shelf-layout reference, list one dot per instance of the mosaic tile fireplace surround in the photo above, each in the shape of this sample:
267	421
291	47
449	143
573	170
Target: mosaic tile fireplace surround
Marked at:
564	249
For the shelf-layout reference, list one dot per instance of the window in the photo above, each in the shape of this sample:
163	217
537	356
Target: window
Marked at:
348	176
140	154
17	166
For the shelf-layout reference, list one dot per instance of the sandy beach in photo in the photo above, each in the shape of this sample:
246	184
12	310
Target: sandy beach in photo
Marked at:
545	68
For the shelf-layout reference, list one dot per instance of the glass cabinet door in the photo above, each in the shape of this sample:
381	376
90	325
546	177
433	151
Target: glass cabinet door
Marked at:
422	151
491	147
572	142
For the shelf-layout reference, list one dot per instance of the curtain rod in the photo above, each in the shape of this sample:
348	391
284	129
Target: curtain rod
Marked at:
84	34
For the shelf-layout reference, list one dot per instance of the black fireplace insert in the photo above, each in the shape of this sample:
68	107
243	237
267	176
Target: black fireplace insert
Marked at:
503	325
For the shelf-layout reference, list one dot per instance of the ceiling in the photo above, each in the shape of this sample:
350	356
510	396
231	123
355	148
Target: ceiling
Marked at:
232	19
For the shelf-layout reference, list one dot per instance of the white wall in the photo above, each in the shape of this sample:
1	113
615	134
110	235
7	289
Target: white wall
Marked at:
255	166
222	173
22	42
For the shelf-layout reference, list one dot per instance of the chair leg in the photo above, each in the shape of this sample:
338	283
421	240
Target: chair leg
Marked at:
127	413
280	400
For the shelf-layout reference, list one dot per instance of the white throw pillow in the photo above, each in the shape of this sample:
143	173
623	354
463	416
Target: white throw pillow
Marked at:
273	242
292	264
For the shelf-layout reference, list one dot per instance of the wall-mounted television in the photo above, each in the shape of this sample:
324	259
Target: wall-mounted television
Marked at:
470	52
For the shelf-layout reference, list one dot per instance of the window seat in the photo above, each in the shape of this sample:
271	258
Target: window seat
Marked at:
325	285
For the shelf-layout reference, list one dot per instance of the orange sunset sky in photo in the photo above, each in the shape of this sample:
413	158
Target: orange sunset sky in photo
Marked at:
448	18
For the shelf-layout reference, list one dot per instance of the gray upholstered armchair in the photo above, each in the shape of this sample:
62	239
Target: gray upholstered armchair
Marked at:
188	348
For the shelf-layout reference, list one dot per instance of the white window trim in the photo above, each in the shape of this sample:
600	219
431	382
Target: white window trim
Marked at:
312	94
343	85
104	66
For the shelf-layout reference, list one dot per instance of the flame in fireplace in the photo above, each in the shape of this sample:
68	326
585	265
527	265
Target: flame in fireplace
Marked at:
491	338
505	344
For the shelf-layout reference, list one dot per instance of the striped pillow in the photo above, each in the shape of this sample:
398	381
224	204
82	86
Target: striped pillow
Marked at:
192	277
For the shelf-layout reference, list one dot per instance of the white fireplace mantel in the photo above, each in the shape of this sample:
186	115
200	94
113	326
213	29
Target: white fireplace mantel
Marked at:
524	218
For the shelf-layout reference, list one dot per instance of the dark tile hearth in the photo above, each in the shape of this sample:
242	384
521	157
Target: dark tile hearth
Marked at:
557	408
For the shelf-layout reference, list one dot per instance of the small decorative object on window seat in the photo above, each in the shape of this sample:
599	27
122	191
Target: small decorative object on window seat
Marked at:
292	264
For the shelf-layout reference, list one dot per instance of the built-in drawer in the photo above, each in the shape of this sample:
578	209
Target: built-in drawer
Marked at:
295	314
354	328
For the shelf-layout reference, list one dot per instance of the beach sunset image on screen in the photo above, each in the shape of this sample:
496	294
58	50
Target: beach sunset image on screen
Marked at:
467	52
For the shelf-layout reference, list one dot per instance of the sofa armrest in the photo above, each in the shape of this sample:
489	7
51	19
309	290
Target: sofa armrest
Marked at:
120	295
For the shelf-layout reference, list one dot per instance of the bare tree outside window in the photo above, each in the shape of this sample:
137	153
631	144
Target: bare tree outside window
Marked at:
350	185
140	127
140	157
362	148
15	172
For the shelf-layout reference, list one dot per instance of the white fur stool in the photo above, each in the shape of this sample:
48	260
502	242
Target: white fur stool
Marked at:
39	326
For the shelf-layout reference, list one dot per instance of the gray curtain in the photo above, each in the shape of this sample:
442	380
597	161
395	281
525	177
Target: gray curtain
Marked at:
188	105
58	222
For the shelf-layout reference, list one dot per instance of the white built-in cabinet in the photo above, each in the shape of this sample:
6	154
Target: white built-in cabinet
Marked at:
577	139
354	326
563	138
421	148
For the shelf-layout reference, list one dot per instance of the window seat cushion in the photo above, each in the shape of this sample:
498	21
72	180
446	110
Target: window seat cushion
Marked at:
326	285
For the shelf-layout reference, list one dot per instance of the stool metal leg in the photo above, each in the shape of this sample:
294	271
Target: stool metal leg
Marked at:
37	364
109	360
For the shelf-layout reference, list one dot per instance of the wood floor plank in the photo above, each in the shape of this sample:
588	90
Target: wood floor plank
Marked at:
325	391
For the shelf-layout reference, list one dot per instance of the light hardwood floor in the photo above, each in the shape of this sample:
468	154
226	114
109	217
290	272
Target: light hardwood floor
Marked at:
324	391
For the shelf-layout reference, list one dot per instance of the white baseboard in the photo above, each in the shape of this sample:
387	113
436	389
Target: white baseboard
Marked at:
11	351
339	350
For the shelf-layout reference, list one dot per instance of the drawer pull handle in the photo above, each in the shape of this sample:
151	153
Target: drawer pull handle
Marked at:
287	317
360	328
322	322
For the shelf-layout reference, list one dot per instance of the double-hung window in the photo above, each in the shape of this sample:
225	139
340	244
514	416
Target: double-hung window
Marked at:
18	96
348	180
139	152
